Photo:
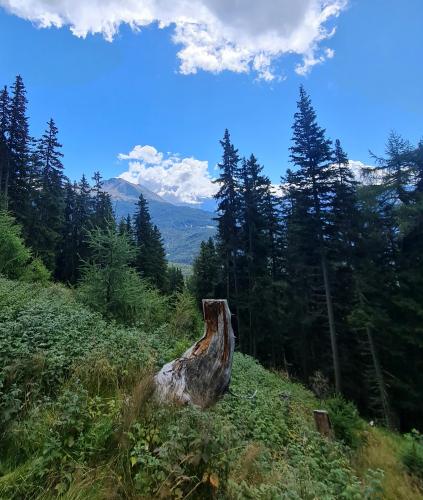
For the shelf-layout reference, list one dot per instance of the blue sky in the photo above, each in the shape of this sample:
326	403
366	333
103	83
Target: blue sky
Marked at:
107	97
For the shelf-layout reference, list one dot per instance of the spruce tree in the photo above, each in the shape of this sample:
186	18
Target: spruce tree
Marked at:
4	145
18	187
206	272
78	221
49	207
67	260
254	243
175	280
228	207
150	260
102	204
311	153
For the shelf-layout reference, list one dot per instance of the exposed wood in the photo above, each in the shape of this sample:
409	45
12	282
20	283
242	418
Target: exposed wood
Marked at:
202	374
323	424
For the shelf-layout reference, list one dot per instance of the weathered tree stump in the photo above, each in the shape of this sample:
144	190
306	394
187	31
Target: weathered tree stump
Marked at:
202	374
323	424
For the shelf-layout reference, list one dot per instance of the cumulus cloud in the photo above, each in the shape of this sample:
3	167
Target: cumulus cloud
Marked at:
176	179
214	35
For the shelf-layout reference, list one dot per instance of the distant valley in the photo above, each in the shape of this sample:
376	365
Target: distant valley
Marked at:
183	228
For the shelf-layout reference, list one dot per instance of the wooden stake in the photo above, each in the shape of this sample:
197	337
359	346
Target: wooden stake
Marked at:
323	424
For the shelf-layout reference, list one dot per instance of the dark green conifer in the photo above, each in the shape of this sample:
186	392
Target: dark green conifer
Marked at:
18	188
150	258
49	197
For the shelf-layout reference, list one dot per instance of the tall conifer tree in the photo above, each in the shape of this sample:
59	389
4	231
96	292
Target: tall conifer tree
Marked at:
311	152
18	187
150	260
4	144
49	208
228	210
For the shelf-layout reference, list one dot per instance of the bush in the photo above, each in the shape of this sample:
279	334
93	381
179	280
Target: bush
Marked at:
185	321
412	455
346	422
16	261
111	287
45	336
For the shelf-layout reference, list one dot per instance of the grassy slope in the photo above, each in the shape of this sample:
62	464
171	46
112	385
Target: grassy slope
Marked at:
79	421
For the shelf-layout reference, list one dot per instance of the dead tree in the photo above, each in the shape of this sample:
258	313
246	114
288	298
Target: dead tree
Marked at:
202	374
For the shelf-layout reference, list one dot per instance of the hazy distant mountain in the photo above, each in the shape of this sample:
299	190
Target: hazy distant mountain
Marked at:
183	228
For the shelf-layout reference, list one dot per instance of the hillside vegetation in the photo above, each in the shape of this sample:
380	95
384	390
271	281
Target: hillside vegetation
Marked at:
78	419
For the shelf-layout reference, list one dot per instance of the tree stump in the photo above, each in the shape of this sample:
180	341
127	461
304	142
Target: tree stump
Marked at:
323	424
203	373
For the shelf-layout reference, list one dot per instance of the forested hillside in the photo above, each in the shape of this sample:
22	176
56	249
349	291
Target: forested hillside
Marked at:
324	281
183	228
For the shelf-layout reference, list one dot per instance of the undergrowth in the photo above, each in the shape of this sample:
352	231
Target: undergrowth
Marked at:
79	420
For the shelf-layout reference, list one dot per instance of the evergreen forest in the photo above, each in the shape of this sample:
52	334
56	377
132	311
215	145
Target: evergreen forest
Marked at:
323	274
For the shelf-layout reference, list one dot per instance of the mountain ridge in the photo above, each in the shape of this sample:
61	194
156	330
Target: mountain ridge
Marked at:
183	228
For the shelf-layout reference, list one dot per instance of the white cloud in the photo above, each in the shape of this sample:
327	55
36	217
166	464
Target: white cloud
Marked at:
177	180
214	35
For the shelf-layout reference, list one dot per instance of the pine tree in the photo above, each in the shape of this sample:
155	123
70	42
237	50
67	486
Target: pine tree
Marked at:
302	275
18	187
228	206
78	221
312	154
175	280
150	260
4	145
67	259
49	204
102	204
254	241
396	169
206	272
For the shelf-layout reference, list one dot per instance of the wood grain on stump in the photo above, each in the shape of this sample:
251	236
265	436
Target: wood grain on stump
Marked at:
202	374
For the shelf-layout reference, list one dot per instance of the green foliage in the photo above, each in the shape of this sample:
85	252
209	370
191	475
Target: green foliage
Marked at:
77	421
150	258
110	286
412	454
14	255
185	320
181	451
15	258
45	335
175	279
36	272
346	422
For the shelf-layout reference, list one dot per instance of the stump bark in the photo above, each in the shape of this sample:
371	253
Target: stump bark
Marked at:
203	373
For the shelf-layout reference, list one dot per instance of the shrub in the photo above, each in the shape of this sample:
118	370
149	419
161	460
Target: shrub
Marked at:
185	321
16	261
178	451
45	336
111	287
412	455
346	422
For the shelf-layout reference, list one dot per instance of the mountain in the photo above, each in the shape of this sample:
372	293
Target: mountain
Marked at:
183	228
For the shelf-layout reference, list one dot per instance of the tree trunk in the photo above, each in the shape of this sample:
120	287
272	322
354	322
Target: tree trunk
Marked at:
380	380
332	329
203	373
